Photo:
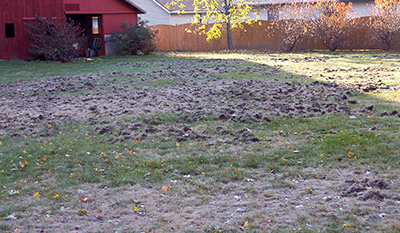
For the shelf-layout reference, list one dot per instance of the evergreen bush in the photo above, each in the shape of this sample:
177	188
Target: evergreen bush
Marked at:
132	38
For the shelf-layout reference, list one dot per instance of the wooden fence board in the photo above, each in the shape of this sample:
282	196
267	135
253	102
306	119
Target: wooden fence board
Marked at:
264	36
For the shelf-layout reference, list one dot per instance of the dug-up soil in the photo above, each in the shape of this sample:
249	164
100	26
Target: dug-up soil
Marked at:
192	93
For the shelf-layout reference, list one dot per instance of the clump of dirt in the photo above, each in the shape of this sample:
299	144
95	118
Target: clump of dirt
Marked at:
302	59
178	132
369	69
366	189
368	79
366	85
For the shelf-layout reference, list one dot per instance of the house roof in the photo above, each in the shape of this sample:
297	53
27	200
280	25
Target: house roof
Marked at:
282	2
188	5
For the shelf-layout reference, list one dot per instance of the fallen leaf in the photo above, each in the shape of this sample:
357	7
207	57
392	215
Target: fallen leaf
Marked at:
83	199
246	224
130	152
82	212
55	196
164	188
347	224
270	220
23	164
37	194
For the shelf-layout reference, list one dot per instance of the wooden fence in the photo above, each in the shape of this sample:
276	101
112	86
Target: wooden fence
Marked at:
264	37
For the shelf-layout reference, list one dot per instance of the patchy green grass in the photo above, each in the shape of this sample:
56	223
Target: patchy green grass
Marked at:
17	71
207	154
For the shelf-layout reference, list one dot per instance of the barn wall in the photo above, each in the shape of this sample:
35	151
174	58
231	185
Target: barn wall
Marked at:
111	23
19	12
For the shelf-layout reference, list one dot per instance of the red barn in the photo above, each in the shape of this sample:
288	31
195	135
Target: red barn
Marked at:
99	18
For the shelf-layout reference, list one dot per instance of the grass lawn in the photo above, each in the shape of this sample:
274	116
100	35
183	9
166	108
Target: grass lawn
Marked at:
201	142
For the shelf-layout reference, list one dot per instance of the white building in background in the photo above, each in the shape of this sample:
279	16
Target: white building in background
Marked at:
157	13
361	8
272	9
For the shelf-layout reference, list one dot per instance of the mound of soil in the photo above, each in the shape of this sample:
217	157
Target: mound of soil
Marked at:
91	98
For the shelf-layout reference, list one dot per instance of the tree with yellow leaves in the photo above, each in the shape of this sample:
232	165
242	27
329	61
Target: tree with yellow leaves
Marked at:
385	22
224	15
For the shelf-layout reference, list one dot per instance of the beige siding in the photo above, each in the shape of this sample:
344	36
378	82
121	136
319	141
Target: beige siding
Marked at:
181	19
361	9
155	14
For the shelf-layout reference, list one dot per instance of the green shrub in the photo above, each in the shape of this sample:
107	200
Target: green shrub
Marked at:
54	39
134	38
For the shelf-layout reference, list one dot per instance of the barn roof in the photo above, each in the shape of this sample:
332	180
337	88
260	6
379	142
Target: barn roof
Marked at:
142	11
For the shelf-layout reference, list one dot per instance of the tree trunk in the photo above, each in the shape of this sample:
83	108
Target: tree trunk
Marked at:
228	24
229	35
386	43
